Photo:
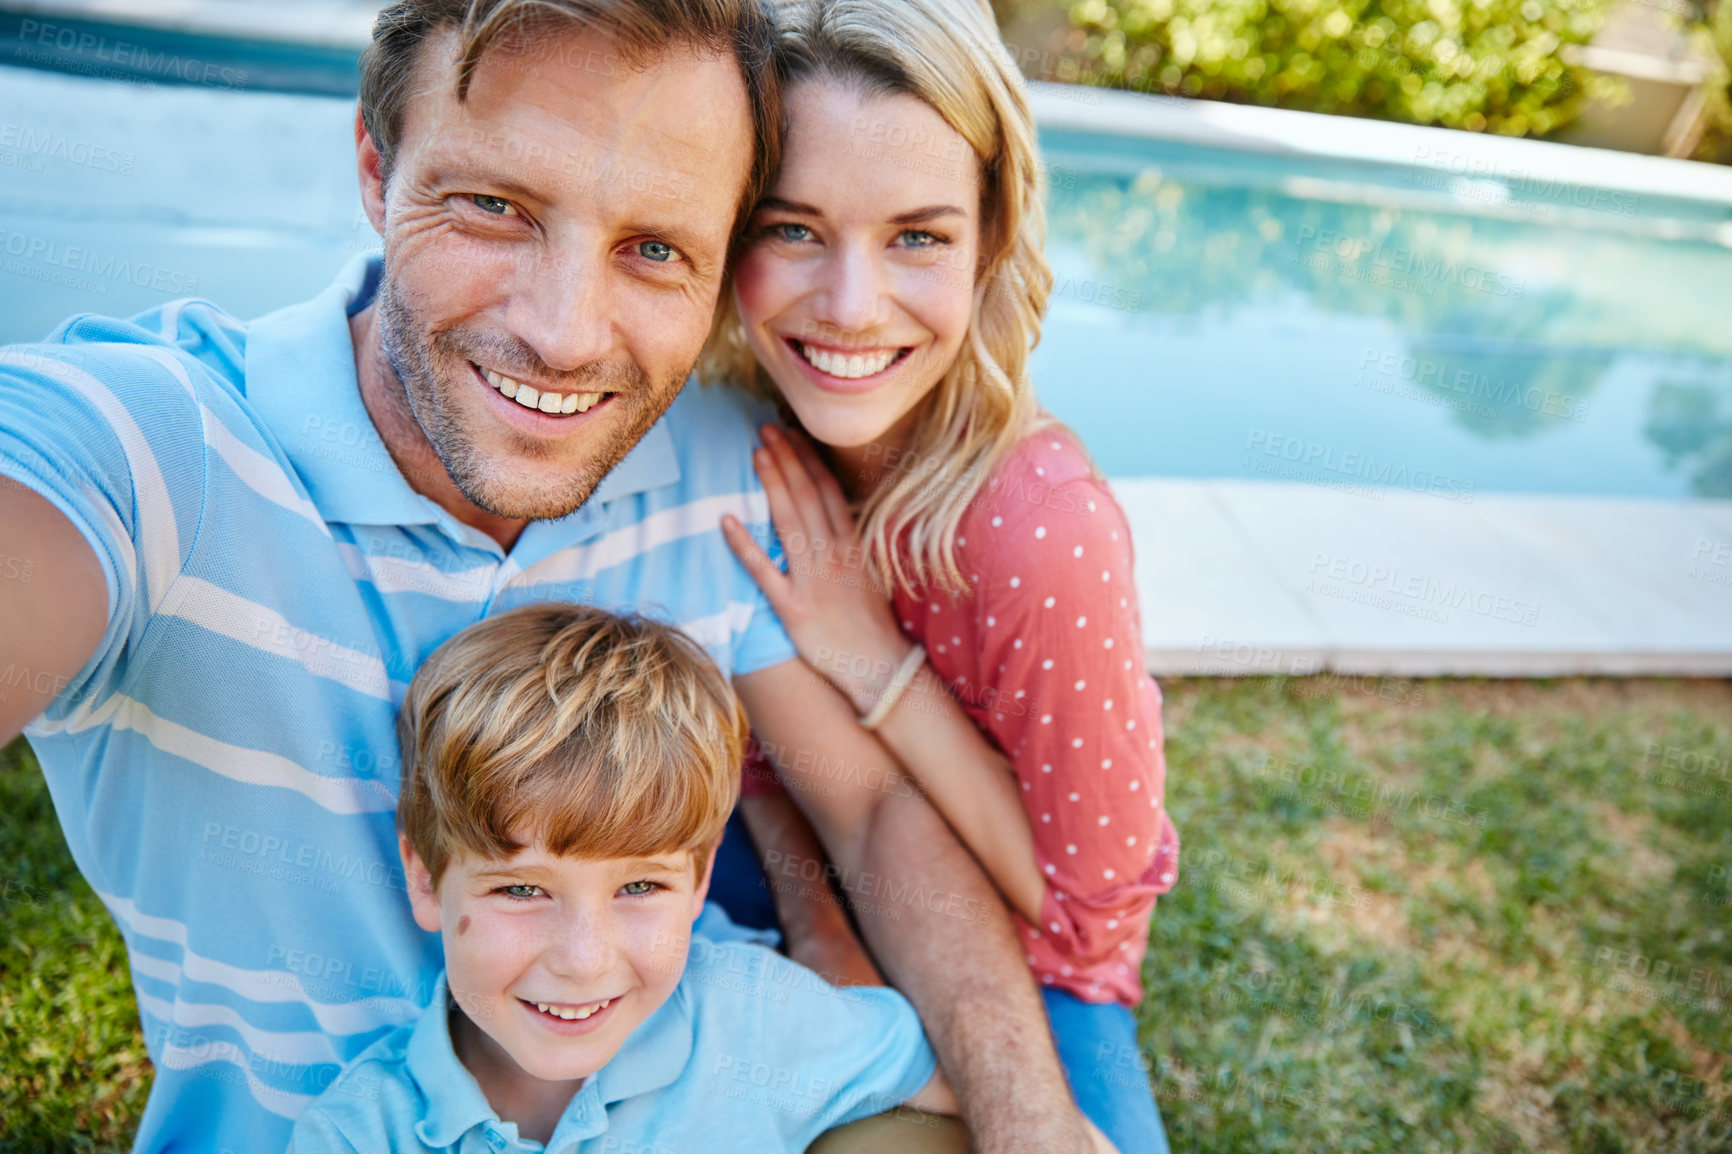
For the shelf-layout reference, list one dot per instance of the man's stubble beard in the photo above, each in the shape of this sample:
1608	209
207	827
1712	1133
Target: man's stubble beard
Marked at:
483	481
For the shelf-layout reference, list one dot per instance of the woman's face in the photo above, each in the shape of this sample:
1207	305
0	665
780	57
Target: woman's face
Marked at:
857	283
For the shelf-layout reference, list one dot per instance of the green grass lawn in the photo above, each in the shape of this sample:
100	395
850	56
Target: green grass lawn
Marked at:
1411	916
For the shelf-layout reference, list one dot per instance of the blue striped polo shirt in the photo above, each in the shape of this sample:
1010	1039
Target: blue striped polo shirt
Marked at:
225	767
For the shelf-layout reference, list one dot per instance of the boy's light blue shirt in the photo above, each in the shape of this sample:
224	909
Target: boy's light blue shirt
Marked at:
225	768
752	1052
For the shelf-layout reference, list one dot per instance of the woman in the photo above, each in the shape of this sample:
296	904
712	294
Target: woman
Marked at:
890	288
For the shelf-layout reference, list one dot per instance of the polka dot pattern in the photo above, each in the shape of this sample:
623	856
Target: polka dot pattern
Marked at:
1039	652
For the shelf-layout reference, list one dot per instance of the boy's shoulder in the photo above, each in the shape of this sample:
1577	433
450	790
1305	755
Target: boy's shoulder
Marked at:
732	972
777	1055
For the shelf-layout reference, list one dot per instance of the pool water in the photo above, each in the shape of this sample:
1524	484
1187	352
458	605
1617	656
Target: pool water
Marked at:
1224	314
1217	313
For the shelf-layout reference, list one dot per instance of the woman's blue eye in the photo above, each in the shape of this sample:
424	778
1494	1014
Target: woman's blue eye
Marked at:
658	251
633	888
522	891
919	238
791	231
497	205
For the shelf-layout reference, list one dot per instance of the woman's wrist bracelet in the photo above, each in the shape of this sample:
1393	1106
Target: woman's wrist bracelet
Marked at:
893	692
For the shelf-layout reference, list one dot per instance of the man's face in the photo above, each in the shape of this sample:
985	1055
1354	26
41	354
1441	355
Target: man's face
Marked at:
554	960
553	249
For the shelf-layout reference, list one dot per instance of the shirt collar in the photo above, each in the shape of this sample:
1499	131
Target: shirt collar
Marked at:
652	1056
455	1103
300	379
650	464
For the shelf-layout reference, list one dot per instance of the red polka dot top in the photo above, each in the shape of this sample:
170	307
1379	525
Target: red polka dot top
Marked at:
1046	657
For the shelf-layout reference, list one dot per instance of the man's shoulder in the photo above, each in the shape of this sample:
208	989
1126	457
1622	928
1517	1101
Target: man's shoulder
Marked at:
716	423
165	362
188	330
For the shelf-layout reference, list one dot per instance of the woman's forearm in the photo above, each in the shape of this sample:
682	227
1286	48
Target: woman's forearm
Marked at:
971	785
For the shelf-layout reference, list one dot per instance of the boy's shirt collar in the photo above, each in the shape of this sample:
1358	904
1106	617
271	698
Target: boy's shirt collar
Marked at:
653	1056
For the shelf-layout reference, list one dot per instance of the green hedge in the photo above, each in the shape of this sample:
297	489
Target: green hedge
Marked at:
1715	31
1483	65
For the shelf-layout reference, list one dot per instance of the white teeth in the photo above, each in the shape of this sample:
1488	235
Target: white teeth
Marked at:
572	1013
847	367
503	383
547	402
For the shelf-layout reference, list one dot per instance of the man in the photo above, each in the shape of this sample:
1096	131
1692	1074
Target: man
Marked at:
229	613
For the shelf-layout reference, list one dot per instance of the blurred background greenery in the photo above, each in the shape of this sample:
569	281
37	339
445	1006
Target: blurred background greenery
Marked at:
1514	67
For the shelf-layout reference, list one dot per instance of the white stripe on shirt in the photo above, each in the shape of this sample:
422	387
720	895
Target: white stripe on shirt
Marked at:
156	524
263	628
373	1012
345	795
582	562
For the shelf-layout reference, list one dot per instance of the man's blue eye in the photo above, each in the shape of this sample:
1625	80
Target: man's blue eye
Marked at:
633	888
656	250
497	205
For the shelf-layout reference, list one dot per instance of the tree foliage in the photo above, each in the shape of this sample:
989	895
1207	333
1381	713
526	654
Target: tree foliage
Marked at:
1485	65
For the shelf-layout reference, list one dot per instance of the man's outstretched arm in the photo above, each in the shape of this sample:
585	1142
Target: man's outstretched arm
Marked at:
935	925
53	604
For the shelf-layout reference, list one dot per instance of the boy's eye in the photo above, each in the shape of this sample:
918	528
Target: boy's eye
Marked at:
659	251
638	889
521	891
497	205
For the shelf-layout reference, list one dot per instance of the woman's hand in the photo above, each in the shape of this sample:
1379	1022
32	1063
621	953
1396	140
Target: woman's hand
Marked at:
836	612
845	628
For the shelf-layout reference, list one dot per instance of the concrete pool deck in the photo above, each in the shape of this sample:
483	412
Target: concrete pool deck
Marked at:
1260	578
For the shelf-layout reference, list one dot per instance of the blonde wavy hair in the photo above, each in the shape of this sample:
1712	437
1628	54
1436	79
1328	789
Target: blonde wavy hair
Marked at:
948	54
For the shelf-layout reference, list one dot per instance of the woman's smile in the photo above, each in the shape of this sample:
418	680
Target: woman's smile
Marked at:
848	370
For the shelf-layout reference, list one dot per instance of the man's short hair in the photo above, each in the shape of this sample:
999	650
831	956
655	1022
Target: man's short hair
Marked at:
639	29
593	734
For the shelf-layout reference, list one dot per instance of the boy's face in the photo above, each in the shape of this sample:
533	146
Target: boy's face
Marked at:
556	960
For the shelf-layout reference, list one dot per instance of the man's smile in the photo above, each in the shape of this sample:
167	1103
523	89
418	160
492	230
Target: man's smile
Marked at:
542	400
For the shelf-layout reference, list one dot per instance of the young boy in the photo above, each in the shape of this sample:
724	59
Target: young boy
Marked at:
567	774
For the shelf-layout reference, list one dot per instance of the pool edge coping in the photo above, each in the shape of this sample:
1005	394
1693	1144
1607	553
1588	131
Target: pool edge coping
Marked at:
1287	132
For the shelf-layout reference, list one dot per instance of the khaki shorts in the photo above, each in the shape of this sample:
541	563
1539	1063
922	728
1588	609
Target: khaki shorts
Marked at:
898	1132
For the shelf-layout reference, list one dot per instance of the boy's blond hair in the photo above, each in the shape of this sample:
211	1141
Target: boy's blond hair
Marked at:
595	735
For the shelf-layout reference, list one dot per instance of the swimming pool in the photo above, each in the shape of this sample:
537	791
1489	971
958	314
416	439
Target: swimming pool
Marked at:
1230	314
1218	312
